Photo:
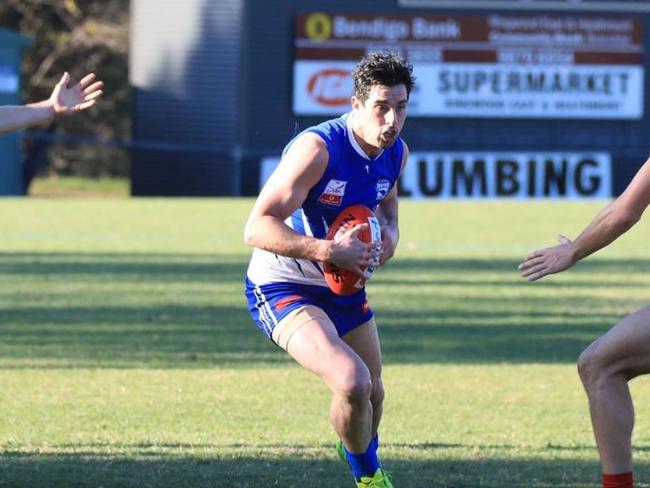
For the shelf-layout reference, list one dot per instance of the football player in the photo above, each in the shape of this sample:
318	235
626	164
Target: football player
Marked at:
623	353
350	160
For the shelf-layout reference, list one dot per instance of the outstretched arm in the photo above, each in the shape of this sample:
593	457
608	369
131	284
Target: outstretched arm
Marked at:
64	100
613	221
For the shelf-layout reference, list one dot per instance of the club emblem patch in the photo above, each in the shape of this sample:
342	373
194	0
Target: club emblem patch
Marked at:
333	193
383	187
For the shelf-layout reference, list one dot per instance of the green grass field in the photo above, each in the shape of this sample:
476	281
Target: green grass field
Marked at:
127	357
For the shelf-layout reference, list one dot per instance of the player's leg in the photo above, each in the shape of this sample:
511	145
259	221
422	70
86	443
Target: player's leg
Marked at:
310	337
365	342
605	368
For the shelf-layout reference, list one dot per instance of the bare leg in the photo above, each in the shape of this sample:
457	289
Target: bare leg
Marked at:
365	341
317	347
605	368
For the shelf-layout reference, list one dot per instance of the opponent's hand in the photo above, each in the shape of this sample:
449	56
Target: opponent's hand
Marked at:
68	100
349	252
548	261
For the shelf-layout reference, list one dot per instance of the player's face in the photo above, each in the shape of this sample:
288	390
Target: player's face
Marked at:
381	116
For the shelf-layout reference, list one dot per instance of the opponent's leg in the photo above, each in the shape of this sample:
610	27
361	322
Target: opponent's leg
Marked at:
605	368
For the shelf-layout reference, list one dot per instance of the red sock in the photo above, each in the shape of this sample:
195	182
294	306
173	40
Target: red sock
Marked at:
622	480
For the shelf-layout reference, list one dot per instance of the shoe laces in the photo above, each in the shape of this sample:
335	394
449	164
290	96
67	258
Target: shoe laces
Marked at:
384	482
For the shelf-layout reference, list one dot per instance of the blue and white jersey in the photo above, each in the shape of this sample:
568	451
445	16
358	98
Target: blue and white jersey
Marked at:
350	178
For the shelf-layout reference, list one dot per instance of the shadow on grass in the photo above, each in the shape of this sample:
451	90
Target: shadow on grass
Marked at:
290	467
41	326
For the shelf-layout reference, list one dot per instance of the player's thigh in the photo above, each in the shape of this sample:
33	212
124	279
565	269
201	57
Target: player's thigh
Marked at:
625	348
364	340
316	346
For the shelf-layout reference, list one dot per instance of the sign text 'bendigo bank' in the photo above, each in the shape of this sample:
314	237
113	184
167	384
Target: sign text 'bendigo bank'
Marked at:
480	66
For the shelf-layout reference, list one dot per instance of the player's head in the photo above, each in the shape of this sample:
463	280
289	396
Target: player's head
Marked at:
382	85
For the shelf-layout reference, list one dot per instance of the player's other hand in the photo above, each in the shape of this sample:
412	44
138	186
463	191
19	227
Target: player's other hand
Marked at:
548	261
67	100
349	252
389	239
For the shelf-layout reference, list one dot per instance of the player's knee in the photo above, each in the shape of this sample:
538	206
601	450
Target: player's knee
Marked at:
354	383
590	366
377	394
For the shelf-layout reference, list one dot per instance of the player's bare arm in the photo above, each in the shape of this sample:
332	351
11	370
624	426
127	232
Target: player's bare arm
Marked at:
64	100
300	169
613	221
387	213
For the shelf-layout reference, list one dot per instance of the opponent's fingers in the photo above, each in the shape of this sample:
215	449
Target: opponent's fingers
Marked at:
528	262
83	106
535	254
98	85
87	80
532	271
537	276
93	95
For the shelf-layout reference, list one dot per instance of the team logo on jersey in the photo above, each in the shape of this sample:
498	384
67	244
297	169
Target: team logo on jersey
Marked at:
383	187
333	193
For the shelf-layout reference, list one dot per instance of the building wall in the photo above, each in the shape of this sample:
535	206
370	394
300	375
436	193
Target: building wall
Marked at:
185	79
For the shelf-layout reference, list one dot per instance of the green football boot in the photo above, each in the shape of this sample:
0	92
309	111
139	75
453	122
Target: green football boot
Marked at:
340	451
381	479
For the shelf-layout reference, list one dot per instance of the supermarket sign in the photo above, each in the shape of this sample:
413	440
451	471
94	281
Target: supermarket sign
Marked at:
481	66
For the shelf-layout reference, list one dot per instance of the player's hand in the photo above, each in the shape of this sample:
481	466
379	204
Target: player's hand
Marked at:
349	252
68	100
389	239
548	261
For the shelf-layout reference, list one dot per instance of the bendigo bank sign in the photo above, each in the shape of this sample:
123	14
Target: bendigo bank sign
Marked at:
493	66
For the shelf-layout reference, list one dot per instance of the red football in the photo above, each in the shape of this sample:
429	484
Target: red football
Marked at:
343	281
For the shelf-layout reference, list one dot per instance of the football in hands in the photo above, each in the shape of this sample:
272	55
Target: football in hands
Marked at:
343	281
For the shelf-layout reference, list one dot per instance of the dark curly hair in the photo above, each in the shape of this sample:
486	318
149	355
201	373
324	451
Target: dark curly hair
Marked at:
381	68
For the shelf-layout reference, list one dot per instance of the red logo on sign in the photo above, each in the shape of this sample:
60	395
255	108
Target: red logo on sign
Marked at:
331	87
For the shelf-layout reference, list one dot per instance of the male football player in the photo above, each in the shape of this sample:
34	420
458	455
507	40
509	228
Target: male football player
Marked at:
354	159
623	353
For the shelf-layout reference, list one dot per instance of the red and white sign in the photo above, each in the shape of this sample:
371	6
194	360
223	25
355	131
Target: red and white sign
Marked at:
484	66
327	87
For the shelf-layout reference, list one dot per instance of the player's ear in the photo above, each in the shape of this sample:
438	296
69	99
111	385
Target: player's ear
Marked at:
355	102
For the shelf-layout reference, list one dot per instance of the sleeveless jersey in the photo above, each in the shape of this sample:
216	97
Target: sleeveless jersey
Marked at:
350	178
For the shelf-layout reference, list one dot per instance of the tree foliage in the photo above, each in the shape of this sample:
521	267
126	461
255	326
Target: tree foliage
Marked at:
78	36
